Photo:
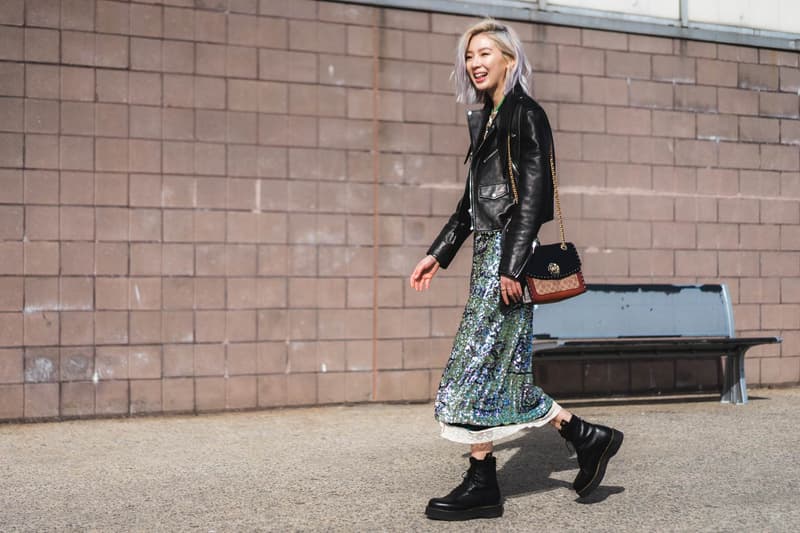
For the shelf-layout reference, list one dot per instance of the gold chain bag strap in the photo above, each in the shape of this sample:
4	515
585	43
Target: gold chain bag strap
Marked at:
553	273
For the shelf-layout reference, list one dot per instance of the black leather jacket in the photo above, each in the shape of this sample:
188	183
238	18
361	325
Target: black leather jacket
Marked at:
488	200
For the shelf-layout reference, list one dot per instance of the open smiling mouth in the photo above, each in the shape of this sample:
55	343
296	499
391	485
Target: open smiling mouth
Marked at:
480	77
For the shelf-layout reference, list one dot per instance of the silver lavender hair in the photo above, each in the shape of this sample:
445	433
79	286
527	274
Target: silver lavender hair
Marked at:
509	44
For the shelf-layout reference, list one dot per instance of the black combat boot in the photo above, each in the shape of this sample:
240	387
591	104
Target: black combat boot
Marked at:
595	445
478	496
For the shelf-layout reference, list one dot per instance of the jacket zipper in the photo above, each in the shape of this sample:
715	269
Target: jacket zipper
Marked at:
471	199
488	157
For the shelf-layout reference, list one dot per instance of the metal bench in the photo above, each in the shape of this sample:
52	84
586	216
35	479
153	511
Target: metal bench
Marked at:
611	322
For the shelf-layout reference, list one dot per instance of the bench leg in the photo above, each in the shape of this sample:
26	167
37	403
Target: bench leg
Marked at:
734	388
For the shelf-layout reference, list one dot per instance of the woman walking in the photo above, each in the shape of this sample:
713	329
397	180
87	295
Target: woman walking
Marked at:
487	390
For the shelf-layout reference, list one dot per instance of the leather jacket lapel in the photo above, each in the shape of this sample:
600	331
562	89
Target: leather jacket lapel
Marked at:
476	118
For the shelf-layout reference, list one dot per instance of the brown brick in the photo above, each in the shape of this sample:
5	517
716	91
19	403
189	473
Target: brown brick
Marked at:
41	400
779	316
77	48
77	399
774	157
146	396
178	57
77	328
605	147
560	87
543	57
11	258
758	77
604	91
11	150
11	294
717	237
11	402
780	369
651	94
42	81
717	73
178	395
717	127
241	392
759	290
790	132
790	184
676	69
11	43
695	263
695	98
577	60
316	36
575	117
12	13
790	79
738	264
777	57
604	39
78	258
40	45
12	79
178	23
759	183
778	105
738	155
759	237
620	120
674	124
780	264
654	150
779	212
111	327
696	48
11	186
111	293
741	54
696	153
674	235
41	116
653	207
11	366
737	101
738	210
76	363
111	51
41	258
272	390
628	65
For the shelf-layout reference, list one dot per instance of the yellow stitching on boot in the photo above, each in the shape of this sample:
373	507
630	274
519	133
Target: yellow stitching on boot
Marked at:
601	457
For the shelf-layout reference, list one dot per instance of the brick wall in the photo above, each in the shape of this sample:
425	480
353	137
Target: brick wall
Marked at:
191	217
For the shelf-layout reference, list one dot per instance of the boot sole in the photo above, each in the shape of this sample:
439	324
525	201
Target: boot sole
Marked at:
610	451
488	511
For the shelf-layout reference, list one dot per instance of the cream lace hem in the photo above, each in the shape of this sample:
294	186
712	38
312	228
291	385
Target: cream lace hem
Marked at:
466	436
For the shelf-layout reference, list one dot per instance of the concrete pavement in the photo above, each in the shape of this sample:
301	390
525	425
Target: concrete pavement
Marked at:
687	464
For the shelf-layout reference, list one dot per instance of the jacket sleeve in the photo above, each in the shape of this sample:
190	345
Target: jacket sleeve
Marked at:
534	185
454	232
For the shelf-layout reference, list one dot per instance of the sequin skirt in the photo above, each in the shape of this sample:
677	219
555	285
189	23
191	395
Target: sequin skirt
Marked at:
487	389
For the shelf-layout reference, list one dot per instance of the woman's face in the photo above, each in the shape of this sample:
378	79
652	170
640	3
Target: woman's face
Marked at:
486	64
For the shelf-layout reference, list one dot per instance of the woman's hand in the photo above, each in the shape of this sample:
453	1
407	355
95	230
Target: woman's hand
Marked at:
424	272
510	290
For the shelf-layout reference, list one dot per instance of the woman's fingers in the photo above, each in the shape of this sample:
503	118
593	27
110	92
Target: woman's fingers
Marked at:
420	279
510	290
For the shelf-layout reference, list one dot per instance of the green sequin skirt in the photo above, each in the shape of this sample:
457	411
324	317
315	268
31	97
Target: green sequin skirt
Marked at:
488	381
